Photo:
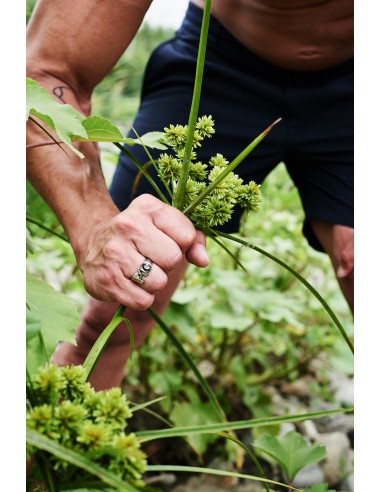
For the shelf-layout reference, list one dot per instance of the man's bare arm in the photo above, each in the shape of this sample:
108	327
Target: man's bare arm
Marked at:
71	46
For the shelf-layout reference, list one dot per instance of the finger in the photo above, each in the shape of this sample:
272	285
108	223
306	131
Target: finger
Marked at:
175	225
146	275
115	287
197	252
159	248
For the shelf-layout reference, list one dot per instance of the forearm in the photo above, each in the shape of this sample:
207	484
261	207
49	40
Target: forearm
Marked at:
74	188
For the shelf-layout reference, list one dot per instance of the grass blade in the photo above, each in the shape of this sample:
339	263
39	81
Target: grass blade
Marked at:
204	193
248	451
100	344
42	442
203	383
143	171
234	425
211	471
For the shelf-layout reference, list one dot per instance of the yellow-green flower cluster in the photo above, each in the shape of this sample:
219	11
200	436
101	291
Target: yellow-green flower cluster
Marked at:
67	409
217	207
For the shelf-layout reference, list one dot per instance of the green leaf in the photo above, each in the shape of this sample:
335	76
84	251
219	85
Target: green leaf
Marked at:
40	441
290	451
212	471
62	118
226	426
195	414
224	317
154	140
36	354
319	487
102	130
57	314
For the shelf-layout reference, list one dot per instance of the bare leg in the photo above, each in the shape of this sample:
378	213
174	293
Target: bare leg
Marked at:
110	368
338	242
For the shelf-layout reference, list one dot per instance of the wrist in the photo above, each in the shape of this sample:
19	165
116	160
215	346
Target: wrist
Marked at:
81	232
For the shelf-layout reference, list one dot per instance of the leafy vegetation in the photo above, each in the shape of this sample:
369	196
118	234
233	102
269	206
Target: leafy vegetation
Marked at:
229	338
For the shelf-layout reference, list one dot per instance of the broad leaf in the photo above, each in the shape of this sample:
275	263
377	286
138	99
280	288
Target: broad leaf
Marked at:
102	130
62	118
290	451
319	487
153	140
195	414
224	317
57	314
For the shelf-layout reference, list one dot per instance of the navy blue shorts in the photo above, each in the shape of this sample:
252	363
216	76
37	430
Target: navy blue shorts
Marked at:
245	94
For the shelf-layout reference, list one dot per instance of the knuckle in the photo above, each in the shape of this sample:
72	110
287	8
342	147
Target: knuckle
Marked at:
111	249
174	262
144	301
188	238
148	202
160	283
123	224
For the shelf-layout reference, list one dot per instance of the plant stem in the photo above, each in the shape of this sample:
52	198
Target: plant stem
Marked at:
142	170
205	386
179	198
46	228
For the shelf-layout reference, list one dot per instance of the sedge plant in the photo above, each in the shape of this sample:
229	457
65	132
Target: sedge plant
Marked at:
75	433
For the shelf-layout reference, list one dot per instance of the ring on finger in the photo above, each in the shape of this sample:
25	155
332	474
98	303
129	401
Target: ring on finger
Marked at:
142	271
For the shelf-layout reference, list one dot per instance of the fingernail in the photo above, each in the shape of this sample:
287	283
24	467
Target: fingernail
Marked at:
340	272
204	255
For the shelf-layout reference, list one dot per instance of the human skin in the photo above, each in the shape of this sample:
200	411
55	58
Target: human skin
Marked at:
69	55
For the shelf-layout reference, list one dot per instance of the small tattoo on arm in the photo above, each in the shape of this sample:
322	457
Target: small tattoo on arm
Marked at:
59	92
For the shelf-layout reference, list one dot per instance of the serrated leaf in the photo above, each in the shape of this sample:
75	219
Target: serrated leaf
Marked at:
62	118
290	451
57	314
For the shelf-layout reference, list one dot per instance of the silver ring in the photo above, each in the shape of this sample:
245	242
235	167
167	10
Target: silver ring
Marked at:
142	271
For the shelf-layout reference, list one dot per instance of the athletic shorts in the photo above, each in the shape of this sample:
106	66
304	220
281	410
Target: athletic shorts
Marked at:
244	94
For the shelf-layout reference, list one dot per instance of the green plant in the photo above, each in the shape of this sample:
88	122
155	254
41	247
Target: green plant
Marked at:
208	205
290	451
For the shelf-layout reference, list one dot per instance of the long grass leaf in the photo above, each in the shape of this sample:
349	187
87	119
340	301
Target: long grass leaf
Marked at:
240	157
42	442
234	425
143	171
152	160
32	220
203	383
248	451
100	344
212	471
